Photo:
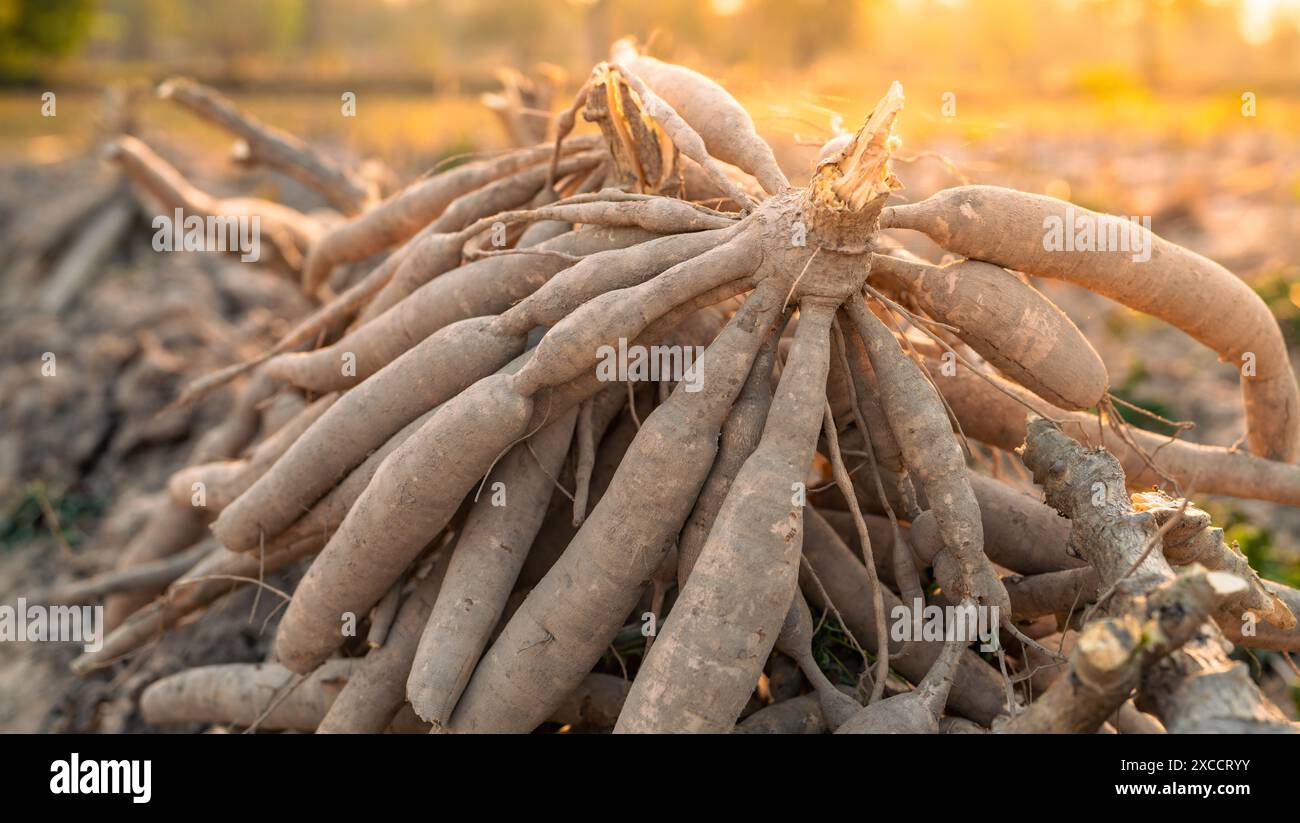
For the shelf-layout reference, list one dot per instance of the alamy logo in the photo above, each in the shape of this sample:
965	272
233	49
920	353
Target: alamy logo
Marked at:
654	363
53	624
1089	231
77	776
176	232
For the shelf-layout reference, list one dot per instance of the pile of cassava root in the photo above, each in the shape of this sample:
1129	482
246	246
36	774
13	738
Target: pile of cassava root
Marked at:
498	537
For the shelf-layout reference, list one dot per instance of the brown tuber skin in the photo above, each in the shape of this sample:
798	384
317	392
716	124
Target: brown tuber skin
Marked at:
798	715
488	556
917	418
726	128
420	485
578	607
1009	323
754	543
1006	228
976	691
376	690
406	212
985	411
740	435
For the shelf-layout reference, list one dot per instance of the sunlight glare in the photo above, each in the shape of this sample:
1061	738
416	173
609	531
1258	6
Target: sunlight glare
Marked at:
726	8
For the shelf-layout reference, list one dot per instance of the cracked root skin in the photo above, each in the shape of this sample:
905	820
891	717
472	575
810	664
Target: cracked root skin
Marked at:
1114	538
716	641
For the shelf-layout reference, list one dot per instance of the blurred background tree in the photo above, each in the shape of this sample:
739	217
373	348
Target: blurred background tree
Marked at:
35	32
1172	65
1050	46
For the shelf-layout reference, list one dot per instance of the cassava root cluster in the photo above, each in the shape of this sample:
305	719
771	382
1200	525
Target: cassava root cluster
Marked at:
488	525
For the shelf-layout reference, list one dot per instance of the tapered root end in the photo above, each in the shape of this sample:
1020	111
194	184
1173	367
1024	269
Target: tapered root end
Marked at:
167	88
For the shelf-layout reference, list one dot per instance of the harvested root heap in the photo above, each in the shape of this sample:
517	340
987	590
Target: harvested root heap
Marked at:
493	514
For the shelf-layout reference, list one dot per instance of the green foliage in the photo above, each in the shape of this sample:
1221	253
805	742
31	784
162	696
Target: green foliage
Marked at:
625	653
1281	291
33	33
834	653
629	639
1255	542
1128	392
24	518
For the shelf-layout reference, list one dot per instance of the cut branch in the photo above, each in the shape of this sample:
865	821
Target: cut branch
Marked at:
1156	637
260	144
